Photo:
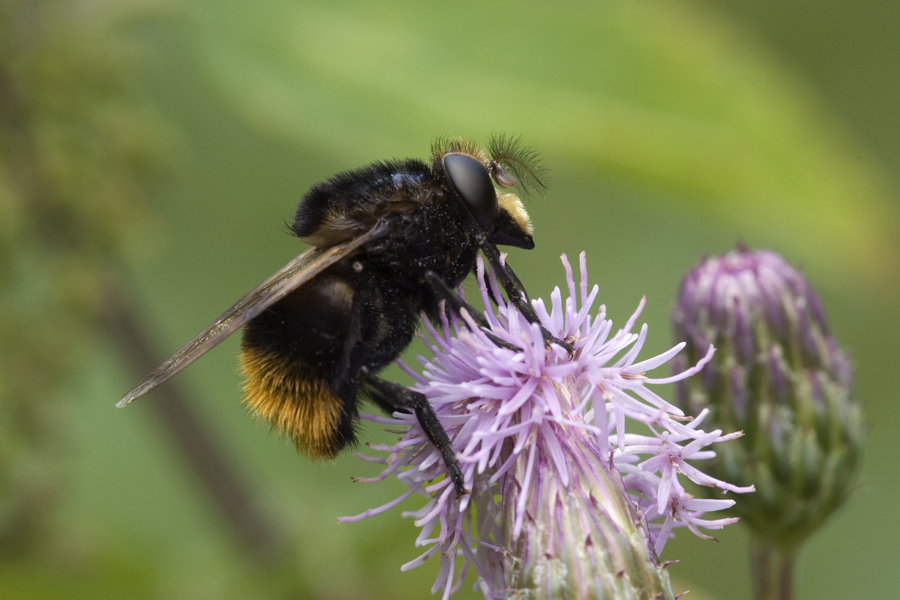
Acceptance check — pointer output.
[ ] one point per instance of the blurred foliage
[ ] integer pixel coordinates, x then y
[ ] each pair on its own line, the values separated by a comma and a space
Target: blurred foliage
76, 154
657, 93
842, 48
669, 133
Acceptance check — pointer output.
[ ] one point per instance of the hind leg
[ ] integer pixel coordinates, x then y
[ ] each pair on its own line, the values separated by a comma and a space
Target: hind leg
393, 397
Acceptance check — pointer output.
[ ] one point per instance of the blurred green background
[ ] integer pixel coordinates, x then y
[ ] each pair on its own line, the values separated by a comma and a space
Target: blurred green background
151, 150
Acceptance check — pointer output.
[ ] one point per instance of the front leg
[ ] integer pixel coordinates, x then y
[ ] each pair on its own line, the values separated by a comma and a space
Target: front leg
393, 397
516, 292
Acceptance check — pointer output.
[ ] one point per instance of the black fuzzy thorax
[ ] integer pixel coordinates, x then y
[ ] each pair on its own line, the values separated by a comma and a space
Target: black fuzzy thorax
361, 194
428, 227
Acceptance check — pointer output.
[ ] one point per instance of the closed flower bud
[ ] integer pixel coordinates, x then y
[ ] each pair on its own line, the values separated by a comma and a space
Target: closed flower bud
779, 376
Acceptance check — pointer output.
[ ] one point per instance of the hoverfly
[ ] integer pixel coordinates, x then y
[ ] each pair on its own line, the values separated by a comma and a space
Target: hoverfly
390, 241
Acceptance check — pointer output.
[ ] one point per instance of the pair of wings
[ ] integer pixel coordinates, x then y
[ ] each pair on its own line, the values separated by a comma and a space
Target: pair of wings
287, 279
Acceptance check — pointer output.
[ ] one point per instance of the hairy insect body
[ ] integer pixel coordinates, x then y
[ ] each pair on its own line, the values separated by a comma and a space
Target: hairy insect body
389, 241
304, 358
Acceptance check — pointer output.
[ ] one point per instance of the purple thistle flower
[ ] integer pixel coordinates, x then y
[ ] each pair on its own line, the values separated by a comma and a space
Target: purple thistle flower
562, 496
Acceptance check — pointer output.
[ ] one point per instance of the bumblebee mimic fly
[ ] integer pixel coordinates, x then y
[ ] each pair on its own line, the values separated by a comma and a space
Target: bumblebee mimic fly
389, 241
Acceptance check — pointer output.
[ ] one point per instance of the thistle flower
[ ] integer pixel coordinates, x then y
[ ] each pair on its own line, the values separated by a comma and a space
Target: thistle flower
780, 377
563, 499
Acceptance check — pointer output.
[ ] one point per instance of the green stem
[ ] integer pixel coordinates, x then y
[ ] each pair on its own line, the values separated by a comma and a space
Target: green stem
772, 570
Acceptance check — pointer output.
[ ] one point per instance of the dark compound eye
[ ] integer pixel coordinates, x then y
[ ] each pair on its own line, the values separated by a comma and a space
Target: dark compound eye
473, 184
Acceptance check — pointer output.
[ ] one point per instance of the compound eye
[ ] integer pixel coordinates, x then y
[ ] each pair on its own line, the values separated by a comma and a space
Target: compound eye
473, 184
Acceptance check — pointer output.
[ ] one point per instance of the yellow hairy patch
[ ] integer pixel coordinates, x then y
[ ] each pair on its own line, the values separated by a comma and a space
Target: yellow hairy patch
511, 204
302, 407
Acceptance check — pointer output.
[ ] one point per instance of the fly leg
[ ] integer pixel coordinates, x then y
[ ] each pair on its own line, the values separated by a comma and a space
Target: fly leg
456, 304
395, 397
516, 292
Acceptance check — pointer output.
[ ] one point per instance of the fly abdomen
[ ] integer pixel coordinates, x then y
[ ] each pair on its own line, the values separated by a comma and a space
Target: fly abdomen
292, 356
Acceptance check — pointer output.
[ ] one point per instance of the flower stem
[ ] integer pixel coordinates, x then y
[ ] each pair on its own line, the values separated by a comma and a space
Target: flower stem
772, 571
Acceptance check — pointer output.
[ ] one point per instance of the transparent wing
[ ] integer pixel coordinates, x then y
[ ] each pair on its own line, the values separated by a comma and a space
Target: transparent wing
287, 279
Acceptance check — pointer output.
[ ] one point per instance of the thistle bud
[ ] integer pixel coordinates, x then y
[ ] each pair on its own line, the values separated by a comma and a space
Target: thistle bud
779, 376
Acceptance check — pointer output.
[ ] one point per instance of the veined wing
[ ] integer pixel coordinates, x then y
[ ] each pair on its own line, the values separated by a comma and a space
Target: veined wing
287, 279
